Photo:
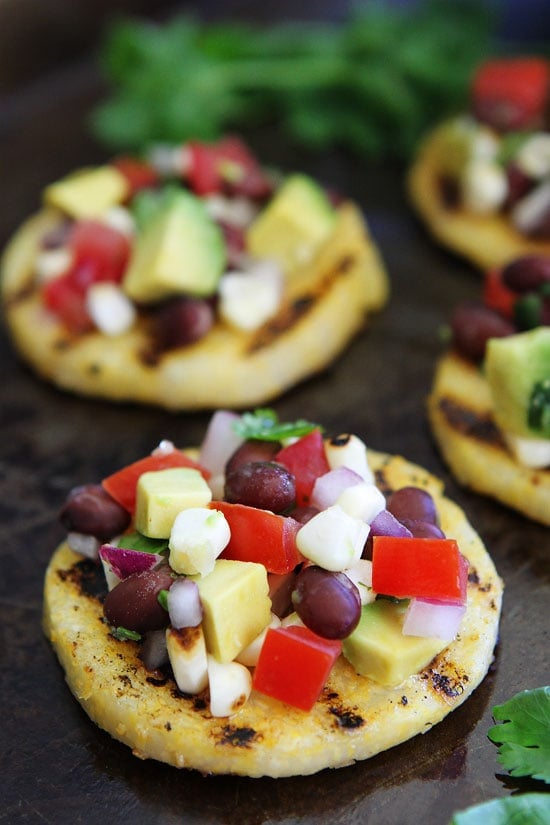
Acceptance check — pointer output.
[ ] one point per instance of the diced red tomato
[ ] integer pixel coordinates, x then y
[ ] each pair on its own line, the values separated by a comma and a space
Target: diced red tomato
512, 93
100, 253
497, 295
294, 665
260, 536
227, 165
425, 568
64, 298
306, 460
122, 484
138, 173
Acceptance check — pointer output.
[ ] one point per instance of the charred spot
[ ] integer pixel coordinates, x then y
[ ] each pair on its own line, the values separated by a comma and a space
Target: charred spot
469, 423
450, 686
125, 680
157, 677
346, 718
238, 737
168, 726
473, 577
20, 296
87, 576
449, 192
94, 369
291, 313
62, 344
404, 701
186, 637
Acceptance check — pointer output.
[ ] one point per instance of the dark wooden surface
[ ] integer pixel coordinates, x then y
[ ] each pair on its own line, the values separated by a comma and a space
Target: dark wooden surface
56, 766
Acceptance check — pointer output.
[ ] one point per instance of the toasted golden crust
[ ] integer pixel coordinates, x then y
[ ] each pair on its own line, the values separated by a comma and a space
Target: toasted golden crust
460, 413
327, 303
354, 718
486, 240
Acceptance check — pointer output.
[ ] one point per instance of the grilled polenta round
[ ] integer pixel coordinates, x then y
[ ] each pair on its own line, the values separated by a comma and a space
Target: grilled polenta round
353, 719
460, 413
326, 303
486, 240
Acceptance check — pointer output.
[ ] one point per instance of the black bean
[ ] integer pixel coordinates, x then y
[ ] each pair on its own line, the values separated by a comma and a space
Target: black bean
90, 509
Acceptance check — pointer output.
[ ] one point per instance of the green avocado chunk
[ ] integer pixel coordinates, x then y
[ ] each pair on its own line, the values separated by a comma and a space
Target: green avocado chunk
294, 224
179, 250
517, 369
378, 649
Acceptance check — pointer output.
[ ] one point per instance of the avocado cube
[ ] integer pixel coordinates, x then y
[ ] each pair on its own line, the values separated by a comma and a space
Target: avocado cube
293, 225
162, 494
236, 605
179, 251
517, 369
378, 649
88, 193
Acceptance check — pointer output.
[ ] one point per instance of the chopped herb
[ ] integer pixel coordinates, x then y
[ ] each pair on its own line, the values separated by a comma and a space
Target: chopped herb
538, 414
163, 598
264, 425
124, 635
524, 736
137, 541
324, 84
528, 311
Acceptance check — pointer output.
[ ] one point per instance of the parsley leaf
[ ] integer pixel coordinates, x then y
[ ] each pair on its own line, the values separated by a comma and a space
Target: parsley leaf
264, 425
527, 809
524, 736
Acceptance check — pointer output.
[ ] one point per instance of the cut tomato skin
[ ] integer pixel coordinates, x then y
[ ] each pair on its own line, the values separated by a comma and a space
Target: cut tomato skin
100, 253
68, 302
227, 165
497, 295
294, 665
260, 536
122, 485
510, 94
422, 568
138, 173
306, 460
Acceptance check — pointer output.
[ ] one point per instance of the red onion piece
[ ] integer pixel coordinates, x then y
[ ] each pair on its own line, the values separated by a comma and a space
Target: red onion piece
385, 524
184, 604
123, 561
329, 486
425, 617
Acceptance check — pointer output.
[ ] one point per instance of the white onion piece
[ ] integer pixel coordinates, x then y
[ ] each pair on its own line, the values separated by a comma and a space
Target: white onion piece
184, 604
433, 619
124, 561
230, 685
348, 450
153, 652
363, 501
220, 441
329, 486
84, 544
361, 575
332, 539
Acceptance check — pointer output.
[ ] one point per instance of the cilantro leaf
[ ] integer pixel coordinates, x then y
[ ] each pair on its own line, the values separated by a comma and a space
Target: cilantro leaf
137, 541
524, 736
124, 635
264, 425
527, 809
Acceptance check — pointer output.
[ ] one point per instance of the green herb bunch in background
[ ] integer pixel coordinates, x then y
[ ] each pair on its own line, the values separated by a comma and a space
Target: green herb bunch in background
372, 84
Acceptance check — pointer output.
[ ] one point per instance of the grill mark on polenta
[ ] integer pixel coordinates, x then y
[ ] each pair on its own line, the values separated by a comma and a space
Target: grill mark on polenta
85, 576
236, 737
450, 685
468, 422
291, 313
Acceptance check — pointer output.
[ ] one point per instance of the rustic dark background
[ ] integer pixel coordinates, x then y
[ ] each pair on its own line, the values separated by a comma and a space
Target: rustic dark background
55, 765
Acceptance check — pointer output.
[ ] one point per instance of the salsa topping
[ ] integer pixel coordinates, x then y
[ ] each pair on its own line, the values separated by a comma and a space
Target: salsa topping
238, 595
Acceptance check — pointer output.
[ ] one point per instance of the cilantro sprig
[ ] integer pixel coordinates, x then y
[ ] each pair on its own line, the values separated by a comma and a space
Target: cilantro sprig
372, 83
524, 740
524, 735
264, 425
